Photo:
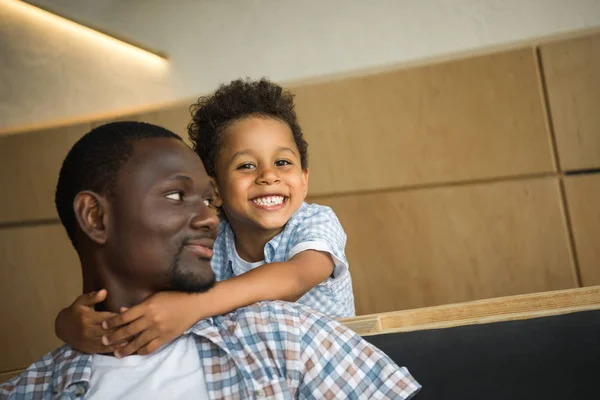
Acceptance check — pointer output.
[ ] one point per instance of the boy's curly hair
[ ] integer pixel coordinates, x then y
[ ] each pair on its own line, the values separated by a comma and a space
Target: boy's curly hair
242, 98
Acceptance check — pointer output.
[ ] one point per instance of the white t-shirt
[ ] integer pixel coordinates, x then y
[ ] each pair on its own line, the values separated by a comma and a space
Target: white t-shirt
172, 372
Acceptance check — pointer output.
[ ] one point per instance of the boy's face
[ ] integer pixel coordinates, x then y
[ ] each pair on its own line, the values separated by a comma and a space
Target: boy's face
259, 175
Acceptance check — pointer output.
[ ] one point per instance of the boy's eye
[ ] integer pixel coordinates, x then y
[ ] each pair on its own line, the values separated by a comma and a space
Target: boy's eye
177, 196
246, 166
281, 163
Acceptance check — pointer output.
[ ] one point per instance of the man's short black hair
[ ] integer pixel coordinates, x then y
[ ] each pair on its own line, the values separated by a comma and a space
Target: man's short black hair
93, 163
240, 99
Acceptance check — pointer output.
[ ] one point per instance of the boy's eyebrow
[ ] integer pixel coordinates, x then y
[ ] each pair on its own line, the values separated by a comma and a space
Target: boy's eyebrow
282, 148
248, 152
239, 153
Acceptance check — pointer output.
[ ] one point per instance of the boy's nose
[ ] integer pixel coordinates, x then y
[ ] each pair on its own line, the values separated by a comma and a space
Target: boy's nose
268, 177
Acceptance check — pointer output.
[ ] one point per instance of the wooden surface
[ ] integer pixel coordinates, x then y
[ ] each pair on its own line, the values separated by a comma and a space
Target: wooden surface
4, 376
175, 118
125, 117
40, 274
572, 74
30, 166
583, 199
476, 118
418, 248
478, 312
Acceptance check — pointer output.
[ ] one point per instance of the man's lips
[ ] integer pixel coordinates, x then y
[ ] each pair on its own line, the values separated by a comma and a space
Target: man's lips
201, 247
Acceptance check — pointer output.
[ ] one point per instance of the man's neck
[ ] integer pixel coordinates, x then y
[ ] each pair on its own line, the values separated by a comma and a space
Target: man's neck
97, 276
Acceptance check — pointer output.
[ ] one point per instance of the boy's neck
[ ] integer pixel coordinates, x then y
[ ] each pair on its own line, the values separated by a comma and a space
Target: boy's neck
250, 245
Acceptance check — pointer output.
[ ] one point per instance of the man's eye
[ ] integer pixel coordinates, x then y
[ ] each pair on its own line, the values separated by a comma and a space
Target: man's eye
209, 202
281, 163
246, 166
177, 196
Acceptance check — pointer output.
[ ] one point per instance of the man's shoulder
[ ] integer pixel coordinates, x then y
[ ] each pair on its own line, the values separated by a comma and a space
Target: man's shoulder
37, 378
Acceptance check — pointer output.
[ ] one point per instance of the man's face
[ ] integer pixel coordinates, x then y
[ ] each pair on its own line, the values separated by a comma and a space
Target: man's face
161, 229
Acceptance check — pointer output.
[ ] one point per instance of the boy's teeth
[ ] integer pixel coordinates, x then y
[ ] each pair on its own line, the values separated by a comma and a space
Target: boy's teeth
268, 200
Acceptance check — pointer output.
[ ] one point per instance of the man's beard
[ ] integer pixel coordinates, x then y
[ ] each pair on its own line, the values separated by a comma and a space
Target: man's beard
185, 281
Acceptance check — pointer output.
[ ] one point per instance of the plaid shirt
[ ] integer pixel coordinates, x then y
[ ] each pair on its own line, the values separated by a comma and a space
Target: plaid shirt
312, 227
273, 350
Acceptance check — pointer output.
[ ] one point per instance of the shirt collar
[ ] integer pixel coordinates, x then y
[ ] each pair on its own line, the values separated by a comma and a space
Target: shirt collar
71, 368
270, 247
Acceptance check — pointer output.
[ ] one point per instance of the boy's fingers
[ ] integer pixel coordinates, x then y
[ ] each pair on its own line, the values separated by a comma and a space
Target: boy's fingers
124, 318
97, 317
96, 331
150, 347
125, 332
111, 348
91, 299
146, 337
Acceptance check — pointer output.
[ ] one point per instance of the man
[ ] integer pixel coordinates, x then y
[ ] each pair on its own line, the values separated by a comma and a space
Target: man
137, 204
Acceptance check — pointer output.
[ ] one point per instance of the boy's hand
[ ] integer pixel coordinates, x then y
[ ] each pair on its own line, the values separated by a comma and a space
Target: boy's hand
154, 322
80, 326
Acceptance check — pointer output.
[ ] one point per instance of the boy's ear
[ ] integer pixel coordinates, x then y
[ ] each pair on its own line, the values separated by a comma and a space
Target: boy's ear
218, 200
305, 182
90, 211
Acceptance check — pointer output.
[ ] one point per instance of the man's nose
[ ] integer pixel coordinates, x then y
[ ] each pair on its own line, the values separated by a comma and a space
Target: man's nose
206, 218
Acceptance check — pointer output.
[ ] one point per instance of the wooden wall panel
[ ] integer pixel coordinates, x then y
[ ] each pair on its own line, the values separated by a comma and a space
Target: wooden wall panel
572, 74
124, 117
39, 275
30, 166
583, 199
175, 118
462, 120
4, 376
425, 247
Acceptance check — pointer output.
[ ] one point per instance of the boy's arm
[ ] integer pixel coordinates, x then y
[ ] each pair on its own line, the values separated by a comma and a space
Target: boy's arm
167, 315
287, 281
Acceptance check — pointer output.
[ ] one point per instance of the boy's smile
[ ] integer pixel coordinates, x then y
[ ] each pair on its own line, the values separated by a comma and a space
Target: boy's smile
259, 176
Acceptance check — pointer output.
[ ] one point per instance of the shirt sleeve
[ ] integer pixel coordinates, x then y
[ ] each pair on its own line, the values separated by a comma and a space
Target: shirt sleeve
220, 262
338, 363
322, 231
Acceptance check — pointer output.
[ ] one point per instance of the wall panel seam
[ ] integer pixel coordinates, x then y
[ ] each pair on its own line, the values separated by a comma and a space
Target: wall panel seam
562, 190
435, 185
29, 223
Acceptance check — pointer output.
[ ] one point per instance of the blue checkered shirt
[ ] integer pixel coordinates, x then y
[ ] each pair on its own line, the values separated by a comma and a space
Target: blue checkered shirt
311, 227
273, 350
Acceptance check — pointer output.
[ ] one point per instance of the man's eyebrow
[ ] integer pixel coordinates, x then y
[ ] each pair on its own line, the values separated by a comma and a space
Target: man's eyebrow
181, 177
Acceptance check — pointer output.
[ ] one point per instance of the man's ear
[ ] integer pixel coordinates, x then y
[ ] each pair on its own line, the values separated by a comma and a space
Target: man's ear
90, 211
218, 200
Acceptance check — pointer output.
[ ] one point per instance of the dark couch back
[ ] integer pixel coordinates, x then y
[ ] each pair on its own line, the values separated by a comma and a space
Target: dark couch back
556, 357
